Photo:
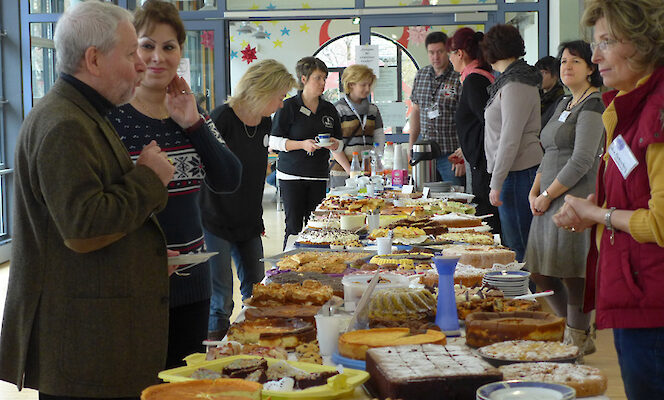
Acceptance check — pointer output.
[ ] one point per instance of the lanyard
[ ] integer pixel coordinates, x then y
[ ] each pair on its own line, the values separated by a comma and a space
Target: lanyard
363, 119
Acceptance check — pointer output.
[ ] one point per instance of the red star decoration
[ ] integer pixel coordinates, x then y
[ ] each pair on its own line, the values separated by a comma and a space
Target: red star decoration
249, 54
207, 39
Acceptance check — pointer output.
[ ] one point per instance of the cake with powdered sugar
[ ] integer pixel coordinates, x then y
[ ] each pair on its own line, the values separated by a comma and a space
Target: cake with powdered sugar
428, 371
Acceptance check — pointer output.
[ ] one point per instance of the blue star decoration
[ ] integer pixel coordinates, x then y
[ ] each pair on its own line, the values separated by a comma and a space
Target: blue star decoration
268, 34
271, 6
285, 32
233, 54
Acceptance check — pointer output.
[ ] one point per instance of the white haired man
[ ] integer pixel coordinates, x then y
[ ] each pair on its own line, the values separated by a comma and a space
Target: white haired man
86, 314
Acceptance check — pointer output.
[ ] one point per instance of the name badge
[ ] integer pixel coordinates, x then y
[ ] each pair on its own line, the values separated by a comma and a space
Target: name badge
622, 155
433, 113
563, 116
304, 110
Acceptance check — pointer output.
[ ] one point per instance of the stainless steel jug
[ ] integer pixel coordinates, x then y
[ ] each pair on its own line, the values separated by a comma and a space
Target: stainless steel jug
423, 161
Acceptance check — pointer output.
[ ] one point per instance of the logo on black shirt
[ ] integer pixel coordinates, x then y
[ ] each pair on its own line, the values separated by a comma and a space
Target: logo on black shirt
328, 121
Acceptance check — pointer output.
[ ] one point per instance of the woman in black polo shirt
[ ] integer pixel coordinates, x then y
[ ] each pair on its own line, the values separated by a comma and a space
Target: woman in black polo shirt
303, 165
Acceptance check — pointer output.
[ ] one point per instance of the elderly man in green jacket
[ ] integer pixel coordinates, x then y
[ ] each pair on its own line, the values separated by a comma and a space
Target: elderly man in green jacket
86, 314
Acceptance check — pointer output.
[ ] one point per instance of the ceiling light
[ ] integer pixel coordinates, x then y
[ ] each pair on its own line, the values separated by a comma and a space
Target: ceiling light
245, 28
260, 33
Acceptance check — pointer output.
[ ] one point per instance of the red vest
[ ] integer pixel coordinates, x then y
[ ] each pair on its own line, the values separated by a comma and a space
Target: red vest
625, 282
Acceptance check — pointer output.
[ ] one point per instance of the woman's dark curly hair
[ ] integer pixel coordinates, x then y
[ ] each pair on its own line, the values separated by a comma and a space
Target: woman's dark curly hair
581, 49
503, 41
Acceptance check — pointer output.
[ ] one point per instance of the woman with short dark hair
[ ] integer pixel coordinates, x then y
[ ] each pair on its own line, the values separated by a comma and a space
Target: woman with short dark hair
303, 164
512, 125
572, 141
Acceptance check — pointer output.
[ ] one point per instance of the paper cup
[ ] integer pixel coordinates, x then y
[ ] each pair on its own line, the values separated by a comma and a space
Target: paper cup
373, 221
327, 333
351, 222
384, 245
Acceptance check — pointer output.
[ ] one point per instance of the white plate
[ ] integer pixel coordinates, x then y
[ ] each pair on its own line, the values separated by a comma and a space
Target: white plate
522, 390
191, 258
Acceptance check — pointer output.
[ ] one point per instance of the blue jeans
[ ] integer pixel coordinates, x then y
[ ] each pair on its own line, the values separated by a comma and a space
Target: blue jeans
249, 270
641, 359
515, 215
444, 167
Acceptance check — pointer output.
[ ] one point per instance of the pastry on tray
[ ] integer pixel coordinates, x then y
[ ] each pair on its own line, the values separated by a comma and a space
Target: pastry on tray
586, 380
287, 333
288, 311
529, 350
355, 344
201, 389
428, 372
484, 328
309, 292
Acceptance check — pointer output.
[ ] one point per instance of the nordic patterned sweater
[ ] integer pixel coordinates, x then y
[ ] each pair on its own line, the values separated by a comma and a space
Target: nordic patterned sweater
199, 157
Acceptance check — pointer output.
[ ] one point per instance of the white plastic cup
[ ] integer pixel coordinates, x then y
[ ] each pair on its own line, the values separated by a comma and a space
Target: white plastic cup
373, 221
327, 333
384, 245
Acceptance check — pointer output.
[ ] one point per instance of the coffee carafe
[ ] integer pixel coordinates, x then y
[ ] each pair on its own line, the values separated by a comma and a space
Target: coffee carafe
423, 161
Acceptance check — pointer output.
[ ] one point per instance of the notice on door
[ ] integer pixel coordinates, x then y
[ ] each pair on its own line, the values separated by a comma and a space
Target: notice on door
368, 55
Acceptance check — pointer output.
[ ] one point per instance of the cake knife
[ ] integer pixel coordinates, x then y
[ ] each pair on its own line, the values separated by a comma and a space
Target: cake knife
363, 301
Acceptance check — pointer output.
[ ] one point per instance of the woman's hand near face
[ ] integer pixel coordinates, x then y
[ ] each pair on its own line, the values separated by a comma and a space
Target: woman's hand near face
181, 103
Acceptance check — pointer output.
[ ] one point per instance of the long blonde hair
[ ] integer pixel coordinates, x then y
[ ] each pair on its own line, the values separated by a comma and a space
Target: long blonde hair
639, 21
259, 83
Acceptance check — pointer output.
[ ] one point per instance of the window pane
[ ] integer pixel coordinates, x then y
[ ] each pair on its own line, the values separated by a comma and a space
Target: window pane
419, 3
199, 55
185, 5
287, 42
3, 223
526, 22
42, 59
235, 5
54, 6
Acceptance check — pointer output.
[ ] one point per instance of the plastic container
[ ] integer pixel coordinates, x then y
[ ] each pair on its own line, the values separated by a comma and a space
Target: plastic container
337, 386
355, 166
356, 284
388, 158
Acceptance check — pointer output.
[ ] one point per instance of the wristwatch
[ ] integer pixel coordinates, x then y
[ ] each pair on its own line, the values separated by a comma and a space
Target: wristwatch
546, 194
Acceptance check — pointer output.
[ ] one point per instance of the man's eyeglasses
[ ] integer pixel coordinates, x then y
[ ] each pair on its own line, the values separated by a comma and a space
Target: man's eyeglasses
603, 45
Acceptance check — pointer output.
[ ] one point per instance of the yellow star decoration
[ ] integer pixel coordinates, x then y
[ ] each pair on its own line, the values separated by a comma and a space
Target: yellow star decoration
306, 5
402, 4
257, 23
274, 22
232, 38
304, 28
277, 43
244, 44
254, 7
456, 1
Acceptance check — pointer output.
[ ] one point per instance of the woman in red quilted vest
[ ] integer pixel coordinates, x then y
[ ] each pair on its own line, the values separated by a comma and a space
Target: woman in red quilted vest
625, 270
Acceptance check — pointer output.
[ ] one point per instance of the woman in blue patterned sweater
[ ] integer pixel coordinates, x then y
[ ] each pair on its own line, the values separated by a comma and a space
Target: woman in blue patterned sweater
164, 110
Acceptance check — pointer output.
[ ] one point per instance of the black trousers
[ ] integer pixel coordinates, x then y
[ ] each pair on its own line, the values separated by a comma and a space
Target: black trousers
43, 396
480, 183
300, 198
187, 328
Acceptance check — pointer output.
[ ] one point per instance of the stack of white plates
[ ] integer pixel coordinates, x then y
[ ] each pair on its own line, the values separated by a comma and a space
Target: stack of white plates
512, 283
437, 187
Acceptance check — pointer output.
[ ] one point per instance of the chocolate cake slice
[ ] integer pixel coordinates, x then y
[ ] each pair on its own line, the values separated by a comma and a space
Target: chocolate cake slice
243, 367
428, 372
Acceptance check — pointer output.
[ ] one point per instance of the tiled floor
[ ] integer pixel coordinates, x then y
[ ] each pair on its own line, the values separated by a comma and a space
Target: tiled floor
605, 358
